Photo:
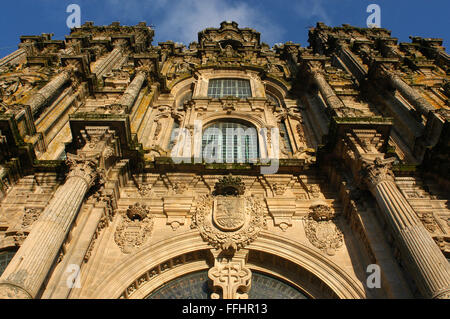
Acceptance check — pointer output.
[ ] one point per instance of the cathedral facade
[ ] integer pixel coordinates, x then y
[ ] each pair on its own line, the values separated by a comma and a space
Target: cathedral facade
225, 169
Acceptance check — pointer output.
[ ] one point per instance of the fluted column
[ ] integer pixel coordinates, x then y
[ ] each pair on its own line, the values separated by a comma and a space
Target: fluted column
13, 57
326, 90
49, 90
106, 65
419, 102
132, 91
423, 259
30, 266
352, 62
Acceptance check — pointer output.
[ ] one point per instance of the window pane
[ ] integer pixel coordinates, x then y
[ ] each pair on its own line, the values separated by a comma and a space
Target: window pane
229, 87
238, 143
285, 137
5, 258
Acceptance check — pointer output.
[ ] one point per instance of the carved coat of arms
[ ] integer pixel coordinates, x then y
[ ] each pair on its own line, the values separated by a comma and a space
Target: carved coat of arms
229, 222
322, 231
134, 229
229, 213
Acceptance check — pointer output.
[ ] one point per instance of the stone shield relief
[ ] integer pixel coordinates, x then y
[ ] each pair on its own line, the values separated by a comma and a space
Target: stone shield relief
229, 222
134, 229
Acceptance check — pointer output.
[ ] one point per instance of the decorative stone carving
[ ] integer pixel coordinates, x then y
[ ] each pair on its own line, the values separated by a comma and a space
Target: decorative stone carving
134, 229
314, 191
229, 105
145, 190
228, 213
85, 169
279, 189
30, 216
179, 188
321, 230
378, 171
229, 222
429, 221
233, 278
12, 292
282, 210
229, 185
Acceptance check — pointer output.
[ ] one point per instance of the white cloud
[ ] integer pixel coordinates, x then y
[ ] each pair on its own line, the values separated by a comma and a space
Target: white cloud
309, 9
181, 20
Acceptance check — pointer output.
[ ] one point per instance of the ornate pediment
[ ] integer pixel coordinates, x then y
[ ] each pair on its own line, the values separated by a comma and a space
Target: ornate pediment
229, 34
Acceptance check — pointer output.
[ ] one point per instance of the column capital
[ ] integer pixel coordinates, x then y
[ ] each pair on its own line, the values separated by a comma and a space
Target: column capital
377, 171
85, 169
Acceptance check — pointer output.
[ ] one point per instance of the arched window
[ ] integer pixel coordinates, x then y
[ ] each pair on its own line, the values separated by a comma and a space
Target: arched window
230, 142
229, 87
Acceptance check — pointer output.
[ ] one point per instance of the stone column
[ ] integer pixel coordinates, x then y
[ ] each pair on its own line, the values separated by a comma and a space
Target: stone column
422, 257
17, 55
419, 102
49, 90
326, 90
30, 266
353, 64
107, 64
132, 91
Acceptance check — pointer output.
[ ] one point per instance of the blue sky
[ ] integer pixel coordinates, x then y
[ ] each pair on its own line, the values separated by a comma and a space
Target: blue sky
180, 20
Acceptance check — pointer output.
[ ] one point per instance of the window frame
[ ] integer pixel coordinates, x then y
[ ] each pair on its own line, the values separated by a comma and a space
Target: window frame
249, 153
229, 87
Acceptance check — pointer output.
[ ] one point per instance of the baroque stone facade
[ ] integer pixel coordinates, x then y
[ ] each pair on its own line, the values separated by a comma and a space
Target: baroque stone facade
120, 178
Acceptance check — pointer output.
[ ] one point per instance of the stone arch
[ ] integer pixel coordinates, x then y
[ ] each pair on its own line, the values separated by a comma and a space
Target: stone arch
276, 88
131, 279
179, 89
256, 121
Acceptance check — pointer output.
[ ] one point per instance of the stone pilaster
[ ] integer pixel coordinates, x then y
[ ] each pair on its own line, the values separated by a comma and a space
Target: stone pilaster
422, 257
30, 266
352, 62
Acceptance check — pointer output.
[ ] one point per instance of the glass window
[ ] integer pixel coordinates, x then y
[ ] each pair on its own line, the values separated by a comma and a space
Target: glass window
230, 142
285, 137
229, 87
5, 258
